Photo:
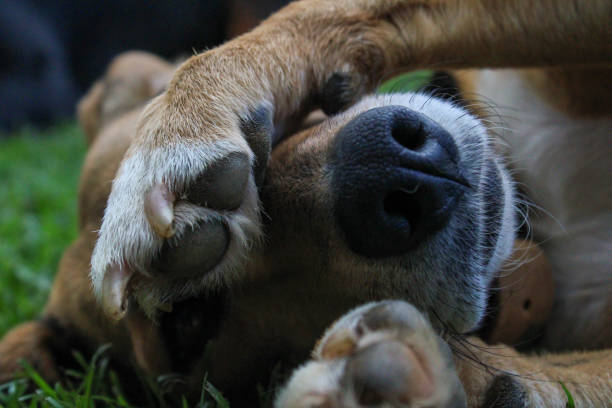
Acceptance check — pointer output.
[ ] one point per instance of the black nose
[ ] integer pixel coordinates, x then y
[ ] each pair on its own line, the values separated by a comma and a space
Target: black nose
396, 180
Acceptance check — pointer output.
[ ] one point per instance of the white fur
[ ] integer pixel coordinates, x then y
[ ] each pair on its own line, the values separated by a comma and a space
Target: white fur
312, 384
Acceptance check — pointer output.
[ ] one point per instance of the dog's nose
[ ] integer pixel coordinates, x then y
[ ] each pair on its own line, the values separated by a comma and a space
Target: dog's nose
396, 180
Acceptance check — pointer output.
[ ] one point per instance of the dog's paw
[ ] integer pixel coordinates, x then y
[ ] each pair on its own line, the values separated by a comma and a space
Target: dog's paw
380, 354
183, 209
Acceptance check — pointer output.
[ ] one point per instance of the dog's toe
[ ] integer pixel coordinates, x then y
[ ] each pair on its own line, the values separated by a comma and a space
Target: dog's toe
222, 186
196, 252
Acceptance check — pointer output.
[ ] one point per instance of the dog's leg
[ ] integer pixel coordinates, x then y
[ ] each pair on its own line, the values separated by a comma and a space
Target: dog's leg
223, 108
72, 320
30, 342
386, 354
496, 374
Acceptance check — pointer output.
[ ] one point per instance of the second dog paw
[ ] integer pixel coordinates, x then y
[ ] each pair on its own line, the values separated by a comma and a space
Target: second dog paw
380, 354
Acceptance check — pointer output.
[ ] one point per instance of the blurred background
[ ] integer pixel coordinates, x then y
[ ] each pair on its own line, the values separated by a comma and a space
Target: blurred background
51, 51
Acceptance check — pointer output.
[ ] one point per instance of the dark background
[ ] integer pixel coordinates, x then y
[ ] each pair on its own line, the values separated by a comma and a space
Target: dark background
52, 50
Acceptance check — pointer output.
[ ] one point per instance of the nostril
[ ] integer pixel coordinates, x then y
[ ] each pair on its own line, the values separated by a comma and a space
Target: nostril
408, 134
403, 204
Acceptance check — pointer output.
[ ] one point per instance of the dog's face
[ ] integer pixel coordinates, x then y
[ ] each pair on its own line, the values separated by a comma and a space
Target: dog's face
401, 196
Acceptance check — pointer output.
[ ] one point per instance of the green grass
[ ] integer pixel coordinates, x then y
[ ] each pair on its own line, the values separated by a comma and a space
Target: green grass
39, 172
570, 399
95, 385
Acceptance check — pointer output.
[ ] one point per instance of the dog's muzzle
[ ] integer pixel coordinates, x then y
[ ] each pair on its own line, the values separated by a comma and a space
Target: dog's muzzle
396, 180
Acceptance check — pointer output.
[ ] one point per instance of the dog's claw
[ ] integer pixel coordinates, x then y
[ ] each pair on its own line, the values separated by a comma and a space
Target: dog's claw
159, 208
115, 291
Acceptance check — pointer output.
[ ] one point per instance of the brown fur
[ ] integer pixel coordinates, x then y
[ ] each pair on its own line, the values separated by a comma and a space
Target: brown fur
288, 60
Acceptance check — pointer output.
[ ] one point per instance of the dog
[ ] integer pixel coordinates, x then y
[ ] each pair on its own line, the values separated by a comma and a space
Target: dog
217, 121
108, 116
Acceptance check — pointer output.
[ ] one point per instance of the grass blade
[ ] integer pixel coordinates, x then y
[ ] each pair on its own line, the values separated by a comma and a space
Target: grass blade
570, 399
38, 380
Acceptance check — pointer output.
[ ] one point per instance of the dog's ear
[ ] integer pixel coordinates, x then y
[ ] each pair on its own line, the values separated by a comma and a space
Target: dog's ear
89, 111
